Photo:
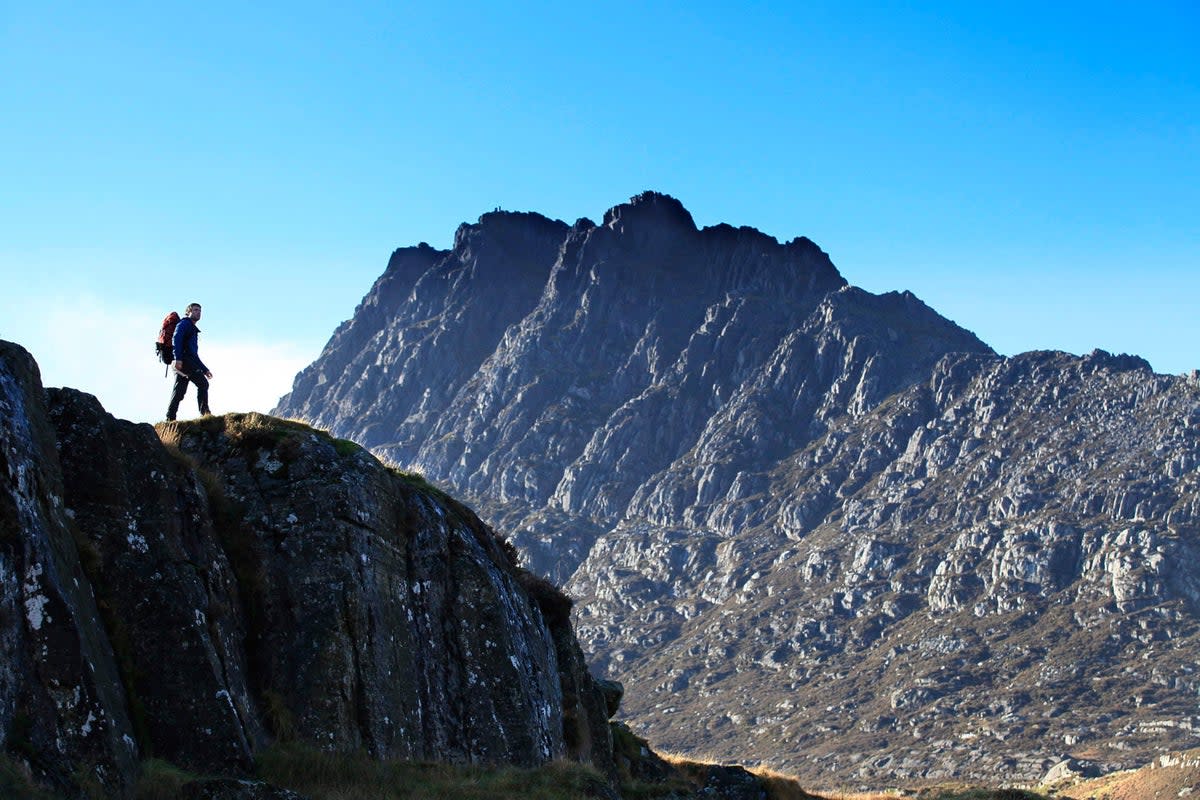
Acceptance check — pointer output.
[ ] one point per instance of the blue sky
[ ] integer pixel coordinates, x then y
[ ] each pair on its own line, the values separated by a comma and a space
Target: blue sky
1030, 170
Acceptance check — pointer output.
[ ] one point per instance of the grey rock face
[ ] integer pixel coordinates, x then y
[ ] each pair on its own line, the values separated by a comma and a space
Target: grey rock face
384, 617
990, 571
424, 329
163, 577
254, 581
803, 523
61, 700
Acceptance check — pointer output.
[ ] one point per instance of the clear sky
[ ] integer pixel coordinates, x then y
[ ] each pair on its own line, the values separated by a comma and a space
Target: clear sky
1030, 170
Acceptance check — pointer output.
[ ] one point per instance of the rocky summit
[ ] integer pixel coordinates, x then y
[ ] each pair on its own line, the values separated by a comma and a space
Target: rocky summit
200, 592
809, 526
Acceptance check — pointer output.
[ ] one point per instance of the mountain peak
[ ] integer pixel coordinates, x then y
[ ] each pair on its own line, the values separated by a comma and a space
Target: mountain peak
506, 225
653, 208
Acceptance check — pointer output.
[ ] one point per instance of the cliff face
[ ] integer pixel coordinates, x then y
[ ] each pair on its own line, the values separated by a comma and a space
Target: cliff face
255, 581
61, 700
806, 523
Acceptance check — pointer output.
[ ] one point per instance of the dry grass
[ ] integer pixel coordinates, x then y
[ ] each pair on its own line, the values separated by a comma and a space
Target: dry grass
781, 786
348, 776
251, 429
161, 780
778, 785
1180, 779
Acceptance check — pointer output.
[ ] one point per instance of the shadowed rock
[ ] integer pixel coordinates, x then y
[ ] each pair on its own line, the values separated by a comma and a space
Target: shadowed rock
62, 706
256, 581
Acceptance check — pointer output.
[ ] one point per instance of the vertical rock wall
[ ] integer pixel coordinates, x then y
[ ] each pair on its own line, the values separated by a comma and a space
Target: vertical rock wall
165, 585
62, 707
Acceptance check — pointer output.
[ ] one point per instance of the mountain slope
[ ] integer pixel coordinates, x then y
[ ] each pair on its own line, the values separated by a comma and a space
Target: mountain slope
806, 522
992, 570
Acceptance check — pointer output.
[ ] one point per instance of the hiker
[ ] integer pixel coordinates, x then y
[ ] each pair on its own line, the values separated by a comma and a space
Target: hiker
187, 364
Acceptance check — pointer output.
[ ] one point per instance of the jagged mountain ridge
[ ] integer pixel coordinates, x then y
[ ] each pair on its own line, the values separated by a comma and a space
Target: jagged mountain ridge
773, 493
652, 361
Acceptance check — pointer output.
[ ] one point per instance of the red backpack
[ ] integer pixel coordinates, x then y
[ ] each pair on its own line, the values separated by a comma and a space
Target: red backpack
164, 345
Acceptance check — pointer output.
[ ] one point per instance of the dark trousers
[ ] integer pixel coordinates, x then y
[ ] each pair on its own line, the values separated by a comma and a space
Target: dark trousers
180, 389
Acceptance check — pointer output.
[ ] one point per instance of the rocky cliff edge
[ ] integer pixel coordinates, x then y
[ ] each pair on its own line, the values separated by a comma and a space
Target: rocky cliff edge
197, 592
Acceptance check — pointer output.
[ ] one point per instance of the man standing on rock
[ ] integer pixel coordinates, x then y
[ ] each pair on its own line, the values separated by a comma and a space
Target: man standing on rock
188, 366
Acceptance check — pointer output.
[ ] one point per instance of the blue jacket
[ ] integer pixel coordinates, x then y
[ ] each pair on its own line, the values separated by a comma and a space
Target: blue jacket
186, 346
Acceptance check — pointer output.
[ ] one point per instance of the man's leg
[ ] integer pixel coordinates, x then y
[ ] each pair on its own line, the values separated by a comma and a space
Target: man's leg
177, 393
201, 392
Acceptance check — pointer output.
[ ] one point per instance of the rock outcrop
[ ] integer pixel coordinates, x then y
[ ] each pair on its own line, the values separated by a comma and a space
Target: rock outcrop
806, 524
251, 581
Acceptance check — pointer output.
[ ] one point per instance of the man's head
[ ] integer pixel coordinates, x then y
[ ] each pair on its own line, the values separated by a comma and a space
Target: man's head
192, 312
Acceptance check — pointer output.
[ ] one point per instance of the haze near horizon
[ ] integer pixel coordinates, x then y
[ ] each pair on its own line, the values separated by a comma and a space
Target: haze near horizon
1029, 172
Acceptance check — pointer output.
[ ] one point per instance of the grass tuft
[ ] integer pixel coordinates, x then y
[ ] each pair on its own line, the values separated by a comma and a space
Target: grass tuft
161, 780
254, 431
553, 602
780, 786
280, 718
